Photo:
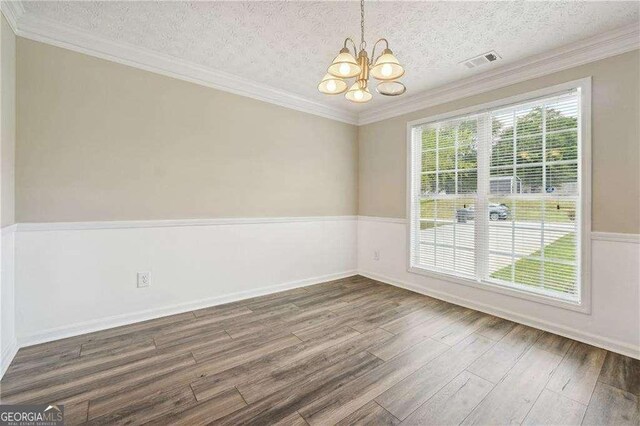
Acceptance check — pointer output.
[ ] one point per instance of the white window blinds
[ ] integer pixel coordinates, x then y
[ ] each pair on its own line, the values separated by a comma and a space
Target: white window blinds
494, 196
448, 183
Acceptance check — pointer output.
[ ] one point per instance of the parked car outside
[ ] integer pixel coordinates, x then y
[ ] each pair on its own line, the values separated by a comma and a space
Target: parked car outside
496, 212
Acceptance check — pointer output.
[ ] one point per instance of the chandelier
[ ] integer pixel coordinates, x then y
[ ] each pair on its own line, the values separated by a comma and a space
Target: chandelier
384, 68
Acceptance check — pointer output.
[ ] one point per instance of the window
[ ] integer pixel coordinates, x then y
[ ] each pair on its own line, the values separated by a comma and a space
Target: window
495, 195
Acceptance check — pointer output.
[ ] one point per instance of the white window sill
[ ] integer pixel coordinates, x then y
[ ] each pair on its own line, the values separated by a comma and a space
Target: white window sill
581, 306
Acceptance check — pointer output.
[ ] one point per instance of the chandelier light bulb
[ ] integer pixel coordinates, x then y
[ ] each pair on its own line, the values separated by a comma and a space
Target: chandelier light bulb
386, 70
344, 65
359, 93
387, 67
331, 85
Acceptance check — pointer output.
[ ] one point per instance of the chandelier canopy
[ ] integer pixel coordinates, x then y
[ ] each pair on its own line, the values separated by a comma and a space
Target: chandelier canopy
384, 68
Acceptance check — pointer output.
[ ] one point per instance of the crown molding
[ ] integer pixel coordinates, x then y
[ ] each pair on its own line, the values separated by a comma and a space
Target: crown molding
54, 33
12, 10
592, 49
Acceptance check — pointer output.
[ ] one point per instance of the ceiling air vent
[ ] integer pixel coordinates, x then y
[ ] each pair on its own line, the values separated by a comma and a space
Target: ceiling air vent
485, 58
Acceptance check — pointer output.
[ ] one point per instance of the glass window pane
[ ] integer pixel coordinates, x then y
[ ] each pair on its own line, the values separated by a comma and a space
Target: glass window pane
500, 267
428, 139
562, 146
528, 180
529, 121
428, 184
444, 234
528, 211
467, 182
426, 255
529, 150
501, 181
560, 213
444, 258
465, 235
562, 114
502, 151
446, 159
429, 161
465, 211
427, 231
562, 178
527, 240
445, 210
464, 238
500, 226
467, 157
447, 136
560, 277
560, 245
447, 183
502, 124
528, 272
467, 133
465, 262
428, 209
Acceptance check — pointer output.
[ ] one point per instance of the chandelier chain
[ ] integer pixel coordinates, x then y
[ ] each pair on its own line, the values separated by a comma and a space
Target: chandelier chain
362, 42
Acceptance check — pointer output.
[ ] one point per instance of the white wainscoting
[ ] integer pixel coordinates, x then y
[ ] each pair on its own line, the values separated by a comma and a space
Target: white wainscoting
8, 343
81, 277
78, 278
614, 322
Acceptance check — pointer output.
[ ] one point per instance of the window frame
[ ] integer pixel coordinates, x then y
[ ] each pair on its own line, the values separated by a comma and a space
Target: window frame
583, 86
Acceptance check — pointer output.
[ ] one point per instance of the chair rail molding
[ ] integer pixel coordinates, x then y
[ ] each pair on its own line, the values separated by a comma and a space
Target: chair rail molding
172, 223
616, 237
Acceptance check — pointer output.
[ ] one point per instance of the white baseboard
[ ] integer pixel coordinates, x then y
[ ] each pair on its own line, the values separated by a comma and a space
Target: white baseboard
120, 320
571, 333
7, 356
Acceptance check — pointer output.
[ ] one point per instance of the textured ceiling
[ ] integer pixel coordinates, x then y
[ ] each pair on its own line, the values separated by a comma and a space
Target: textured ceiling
288, 45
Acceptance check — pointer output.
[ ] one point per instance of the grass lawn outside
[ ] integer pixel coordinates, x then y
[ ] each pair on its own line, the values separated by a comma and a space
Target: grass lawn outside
524, 210
557, 276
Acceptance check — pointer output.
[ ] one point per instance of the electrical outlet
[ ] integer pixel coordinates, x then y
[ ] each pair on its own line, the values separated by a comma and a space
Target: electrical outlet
144, 279
376, 255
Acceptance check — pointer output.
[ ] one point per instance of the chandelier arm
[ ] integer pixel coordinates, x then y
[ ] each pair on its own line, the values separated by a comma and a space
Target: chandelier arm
373, 52
355, 49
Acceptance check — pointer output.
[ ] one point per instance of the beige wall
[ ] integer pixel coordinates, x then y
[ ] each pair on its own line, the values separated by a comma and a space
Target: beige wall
7, 122
615, 145
102, 141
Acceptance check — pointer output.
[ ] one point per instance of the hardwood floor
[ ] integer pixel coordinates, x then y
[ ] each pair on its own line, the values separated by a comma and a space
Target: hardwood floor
352, 351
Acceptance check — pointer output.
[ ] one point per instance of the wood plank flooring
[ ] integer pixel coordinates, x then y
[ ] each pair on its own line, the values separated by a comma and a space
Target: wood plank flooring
351, 351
